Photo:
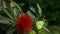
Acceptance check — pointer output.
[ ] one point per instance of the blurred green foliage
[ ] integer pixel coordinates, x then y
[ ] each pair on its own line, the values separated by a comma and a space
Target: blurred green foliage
50, 9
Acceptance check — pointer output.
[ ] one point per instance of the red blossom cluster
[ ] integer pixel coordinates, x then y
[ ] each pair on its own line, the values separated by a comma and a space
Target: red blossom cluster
23, 23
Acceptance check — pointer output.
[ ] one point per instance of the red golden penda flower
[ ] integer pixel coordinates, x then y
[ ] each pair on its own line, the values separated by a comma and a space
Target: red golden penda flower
23, 23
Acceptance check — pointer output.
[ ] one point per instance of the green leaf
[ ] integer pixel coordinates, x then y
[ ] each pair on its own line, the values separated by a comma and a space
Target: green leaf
17, 6
11, 31
8, 13
4, 4
10, 28
21, 5
16, 12
39, 9
32, 16
33, 9
12, 4
0, 7
4, 8
45, 28
39, 24
4, 20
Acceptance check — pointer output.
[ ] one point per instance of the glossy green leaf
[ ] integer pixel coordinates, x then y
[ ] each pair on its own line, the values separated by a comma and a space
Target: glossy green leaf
39, 24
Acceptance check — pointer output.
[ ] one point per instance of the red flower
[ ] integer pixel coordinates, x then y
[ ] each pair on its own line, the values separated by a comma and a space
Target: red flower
23, 23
